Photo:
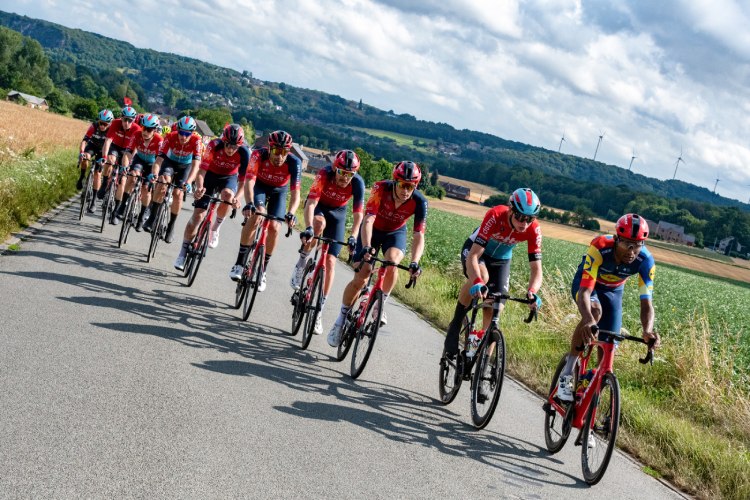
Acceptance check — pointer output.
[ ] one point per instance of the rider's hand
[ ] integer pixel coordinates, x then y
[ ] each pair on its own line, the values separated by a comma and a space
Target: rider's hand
648, 336
351, 243
306, 234
248, 210
587, 334
150, 177
291, 219
414, 269
478, 289
82, 156
235, 203
101, 161
537, 304
365, 254
199, 191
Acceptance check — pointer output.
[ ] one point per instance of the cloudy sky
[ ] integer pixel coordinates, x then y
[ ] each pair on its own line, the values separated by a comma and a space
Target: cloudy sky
654, 78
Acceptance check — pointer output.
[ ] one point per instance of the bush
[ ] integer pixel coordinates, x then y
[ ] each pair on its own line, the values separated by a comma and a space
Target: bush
435, 191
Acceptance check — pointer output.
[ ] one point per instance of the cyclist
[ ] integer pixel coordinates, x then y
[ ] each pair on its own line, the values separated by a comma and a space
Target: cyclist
91, 149
272, 171
486, 257
224, 160
120, 135
390, 205
598, 285
178, 159
325, 213
143, 150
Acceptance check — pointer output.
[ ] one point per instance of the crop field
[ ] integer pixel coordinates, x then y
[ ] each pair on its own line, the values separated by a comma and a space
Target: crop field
401, 139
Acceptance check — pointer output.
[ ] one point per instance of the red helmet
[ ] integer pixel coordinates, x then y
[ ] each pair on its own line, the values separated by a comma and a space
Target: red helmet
346, 159
233, 135
632, 227
280, 139
407, 171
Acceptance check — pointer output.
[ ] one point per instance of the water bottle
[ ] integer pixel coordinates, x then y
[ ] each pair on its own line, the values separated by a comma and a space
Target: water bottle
584, 382
475, 337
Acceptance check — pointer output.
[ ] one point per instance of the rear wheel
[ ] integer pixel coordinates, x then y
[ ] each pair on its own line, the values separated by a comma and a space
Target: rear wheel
487, 382
200, 253
127, 221
239, 293
602, 422
452, 370
155, 233
299, 303
347, 335
556, 425
109, 201
313, 309
86, 194
254, 275
365, 337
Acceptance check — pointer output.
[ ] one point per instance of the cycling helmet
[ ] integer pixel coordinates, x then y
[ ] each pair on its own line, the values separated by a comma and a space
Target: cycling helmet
346, 159
106, 116
525, 202
407, 171
150, 121
233, 135
280, 139
186, 124
128, 112
632, 227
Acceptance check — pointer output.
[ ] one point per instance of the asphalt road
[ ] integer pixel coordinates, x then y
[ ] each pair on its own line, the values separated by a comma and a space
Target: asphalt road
117, 380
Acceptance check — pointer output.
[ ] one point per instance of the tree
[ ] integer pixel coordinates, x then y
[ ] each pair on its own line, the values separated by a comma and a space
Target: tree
215, 118
85, 109
59, 101
434, 177
23, 65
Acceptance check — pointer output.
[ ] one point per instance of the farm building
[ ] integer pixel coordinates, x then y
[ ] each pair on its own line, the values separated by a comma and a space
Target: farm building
29, 100
456, 191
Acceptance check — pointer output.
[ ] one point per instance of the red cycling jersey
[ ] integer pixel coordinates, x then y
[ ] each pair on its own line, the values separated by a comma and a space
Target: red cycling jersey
388, 218
497, 236
121, 137
172, 148
261, 168
216, 160
331, 195
146, 151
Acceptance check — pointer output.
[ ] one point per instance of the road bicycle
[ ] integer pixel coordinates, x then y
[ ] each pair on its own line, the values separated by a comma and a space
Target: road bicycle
362, 322
252, 273
130, 212
108, 203
485, 367
595, 410
161, 218
198, 246
307, 299
87, 194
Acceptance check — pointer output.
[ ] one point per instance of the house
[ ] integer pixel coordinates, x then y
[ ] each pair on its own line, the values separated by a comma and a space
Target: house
670, 232
30, 100
456, 191
204, 130
729, 244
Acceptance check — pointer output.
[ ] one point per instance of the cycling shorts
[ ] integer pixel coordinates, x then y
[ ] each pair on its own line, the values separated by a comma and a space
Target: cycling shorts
498, 270
117, 152
178, 171
382, 240
610, 300
140, 165
271, 197
214, 183
335, 218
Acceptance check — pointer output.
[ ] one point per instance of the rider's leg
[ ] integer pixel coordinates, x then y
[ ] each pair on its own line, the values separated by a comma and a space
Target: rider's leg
191, 229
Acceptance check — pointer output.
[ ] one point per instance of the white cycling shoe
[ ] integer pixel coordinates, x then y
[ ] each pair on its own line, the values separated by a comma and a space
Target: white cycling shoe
236, 272
262, 284
334, 336
565, 389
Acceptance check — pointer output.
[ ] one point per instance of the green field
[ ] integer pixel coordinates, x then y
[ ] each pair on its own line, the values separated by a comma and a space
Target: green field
698, 252
401, 139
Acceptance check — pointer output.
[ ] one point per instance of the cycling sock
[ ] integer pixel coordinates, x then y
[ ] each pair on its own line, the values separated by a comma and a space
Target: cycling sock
302, 259
105, 180
143, 211
217, 223
268, 259
242, 255
323, 301
569, 364
451, 338
184, 248
125, 198
172, 218
342, 315
83, 174
385, 298
117, 205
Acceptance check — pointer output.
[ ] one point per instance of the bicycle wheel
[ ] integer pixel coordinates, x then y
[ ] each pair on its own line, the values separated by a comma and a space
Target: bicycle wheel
198, 257
365, 337
556, 425
602, 421
452, 371
347, 335
313, 310
487, 381
254, 276
155, 230
239, 293
86, 194
109, 200
126, 222
298, 300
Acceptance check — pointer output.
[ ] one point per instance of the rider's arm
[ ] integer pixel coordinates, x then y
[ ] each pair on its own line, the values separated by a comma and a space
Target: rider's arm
417, 246
583, 301
472, 262
194, 170
309, 211
199, 179
356, 223
105, 147
249, 190
293, 201
366, 233
84, 143
647, 316
535, 276
157, 165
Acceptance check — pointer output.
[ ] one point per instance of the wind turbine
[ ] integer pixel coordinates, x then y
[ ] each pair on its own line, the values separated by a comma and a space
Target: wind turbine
601, 136
561, 141
677, 164
716, 184
631, 160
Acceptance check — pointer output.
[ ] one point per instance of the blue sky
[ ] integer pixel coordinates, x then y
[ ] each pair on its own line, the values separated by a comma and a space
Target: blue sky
653, 77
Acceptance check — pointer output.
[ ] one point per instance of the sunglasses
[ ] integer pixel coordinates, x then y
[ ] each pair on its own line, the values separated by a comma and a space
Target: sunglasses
149, 129
407, 186
279, 151
127, 120
104, 124
631, 244
526, 219
185, 133
344, 173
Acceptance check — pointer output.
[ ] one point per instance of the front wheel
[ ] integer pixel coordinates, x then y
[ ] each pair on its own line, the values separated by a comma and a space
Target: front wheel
86, 194
254, 276
487, 382
200, 252
127, 221
109, 201
299, 301
600, 430
155, 230
365, 337
556, 425
313, 310
452, 370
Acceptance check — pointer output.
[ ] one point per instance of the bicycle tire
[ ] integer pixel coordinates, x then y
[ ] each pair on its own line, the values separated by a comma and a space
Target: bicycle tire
347, 336
155, 228
369, 330
86, 194
198, 257
109, 197
553, 438
255, 275
451, 373
299, 303
313, 310
125, 224
602, 418
494, 363
239, 293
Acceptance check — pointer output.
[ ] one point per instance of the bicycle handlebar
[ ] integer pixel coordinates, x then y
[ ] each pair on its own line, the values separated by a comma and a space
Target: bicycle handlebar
498, 296
618, 336
215, 199
273, 218
388, 263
